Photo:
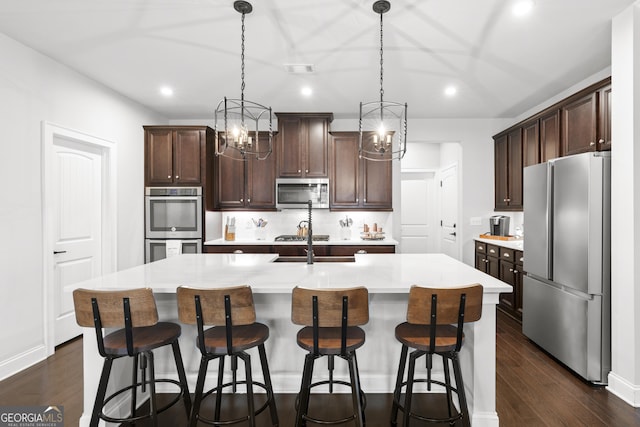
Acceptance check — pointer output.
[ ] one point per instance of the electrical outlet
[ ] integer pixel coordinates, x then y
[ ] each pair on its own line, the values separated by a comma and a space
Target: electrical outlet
475, 220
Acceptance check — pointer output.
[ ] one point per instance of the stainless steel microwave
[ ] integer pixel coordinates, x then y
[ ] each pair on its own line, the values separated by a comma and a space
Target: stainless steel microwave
294, 193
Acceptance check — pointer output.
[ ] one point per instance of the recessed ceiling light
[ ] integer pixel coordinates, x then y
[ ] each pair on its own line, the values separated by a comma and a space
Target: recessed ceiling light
522, 7
166, 91
299, 68
306, 91
450, 90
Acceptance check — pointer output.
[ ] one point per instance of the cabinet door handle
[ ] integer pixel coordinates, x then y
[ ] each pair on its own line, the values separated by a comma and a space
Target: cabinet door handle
306, 171
511, 270
592, 143
299, 171
177, 176
168, 176
515, 271
357, 200
365, 200
249, 200
601, 141
242, 200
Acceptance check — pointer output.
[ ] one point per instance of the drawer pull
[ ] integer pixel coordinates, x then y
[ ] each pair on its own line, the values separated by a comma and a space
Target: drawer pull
493, 251
506, 255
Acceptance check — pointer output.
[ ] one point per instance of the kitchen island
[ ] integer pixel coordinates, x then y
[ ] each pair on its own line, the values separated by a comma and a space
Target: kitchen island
388, 278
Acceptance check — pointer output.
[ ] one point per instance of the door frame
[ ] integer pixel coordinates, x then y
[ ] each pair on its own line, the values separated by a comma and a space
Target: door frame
108, 152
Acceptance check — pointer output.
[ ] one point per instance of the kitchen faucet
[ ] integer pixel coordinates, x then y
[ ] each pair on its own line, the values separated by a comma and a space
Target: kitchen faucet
310, 236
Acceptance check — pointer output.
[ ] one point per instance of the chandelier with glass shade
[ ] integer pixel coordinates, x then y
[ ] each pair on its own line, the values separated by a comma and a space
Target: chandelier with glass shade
383, 124
238, 122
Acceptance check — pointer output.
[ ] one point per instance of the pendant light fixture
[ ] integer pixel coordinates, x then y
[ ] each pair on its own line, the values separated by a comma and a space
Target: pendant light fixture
383, 124
237, 121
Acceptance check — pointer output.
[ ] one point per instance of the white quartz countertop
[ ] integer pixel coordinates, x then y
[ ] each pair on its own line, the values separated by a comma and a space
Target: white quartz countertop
269, 242
380, 273
511, 244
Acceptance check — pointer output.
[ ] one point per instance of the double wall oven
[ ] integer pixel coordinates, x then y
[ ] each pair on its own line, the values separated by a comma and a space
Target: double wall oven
173, 221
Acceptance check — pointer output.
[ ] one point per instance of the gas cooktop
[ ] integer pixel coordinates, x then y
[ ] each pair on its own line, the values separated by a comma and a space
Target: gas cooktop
296, 238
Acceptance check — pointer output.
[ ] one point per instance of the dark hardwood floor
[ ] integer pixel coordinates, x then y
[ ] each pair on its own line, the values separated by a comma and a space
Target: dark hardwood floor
532, 390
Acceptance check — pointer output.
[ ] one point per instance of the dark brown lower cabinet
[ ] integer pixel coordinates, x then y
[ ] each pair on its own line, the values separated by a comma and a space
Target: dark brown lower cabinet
300, 250
504, 264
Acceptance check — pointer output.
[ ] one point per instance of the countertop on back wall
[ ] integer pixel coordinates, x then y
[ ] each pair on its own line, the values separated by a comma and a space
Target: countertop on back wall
331, 241
511, 244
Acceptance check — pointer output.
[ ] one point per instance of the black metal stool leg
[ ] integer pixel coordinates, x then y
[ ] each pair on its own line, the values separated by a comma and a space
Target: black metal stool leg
362, 398
355, 390
216, 415
249, 380
305, 389
464, 410
182, 376
267, 382
397, 390
447, 381
134, 380
409, 392
152, 389
197, 400
102, 391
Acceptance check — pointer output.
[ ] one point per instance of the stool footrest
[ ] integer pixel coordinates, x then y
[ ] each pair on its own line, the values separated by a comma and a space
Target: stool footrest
141, 417
235, 420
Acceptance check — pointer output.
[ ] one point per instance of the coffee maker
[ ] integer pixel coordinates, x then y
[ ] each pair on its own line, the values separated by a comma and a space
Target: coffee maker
499, 225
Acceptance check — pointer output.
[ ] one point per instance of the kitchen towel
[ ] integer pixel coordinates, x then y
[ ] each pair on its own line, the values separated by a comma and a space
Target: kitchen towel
174, 247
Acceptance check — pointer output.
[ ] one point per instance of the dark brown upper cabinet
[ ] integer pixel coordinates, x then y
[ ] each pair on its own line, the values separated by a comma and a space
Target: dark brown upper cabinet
508, 171
550, 135
357, 183
530, 143
244, 184
302, 145
174, 155
586, 120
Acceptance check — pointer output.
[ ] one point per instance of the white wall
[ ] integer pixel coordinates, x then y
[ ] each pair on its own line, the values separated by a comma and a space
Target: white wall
34, 88
624, 379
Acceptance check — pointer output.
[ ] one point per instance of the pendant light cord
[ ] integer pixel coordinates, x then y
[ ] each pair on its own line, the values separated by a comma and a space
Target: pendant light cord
242, 71
381, 61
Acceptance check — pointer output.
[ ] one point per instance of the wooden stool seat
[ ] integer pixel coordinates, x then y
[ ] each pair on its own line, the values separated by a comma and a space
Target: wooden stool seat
135, 313
330, 339
417, 336
244, 338
144, 338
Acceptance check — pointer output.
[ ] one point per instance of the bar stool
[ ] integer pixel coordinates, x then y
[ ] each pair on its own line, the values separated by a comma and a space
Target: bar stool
232, 313
429, 329
331, 320
134, 312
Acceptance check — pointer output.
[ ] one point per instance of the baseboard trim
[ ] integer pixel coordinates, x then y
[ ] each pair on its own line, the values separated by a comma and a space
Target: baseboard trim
626, 391
22, 361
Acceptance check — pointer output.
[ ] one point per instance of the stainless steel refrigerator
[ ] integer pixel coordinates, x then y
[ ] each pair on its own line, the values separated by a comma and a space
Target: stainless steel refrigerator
567, 257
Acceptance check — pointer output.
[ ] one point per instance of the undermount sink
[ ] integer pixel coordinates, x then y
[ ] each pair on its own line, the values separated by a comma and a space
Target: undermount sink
315, 259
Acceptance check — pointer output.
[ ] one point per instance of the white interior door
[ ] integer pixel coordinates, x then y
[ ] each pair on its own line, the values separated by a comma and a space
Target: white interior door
417, 214
77, 221
449, 226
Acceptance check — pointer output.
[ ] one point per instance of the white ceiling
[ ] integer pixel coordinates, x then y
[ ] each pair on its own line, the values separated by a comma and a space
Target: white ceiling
502, 65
